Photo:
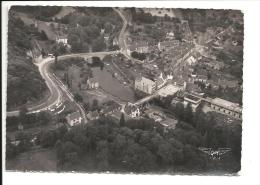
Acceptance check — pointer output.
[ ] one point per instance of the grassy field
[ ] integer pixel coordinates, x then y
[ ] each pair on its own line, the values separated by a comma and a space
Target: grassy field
34, 160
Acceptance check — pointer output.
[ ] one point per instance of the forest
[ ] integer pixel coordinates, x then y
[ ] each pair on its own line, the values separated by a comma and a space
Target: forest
22, 73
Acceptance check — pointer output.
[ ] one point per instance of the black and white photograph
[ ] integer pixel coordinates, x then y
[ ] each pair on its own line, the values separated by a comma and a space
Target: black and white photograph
124, 90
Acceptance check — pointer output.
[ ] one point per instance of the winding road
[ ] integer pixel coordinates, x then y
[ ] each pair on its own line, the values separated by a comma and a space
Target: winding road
56, 87
53, 84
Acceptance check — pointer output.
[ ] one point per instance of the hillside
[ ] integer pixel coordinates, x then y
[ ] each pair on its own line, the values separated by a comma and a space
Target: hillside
22, 73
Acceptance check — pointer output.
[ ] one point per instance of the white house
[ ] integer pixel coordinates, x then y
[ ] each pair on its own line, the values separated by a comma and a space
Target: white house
62, 39
92, 83
132, 110
145, 85
74, 118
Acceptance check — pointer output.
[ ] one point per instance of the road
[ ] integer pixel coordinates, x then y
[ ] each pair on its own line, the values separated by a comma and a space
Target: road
121, 39
52, 84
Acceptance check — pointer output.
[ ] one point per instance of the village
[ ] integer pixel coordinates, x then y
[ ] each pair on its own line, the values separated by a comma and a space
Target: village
134, 65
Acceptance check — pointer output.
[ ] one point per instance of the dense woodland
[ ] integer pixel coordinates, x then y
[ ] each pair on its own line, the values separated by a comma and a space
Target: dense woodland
85, 28
24, 83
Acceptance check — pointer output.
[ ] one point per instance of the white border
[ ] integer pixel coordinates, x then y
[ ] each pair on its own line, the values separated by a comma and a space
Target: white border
251, 146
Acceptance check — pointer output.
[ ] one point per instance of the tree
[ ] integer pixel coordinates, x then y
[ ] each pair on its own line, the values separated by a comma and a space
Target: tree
48, 139
122, 120
23, 114
43, 35
179, 110
56, 54
78, 97
188, 114
95, 105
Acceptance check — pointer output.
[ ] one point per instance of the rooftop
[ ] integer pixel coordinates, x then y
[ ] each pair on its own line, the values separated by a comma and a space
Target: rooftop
145, 80
227, 104
168, 90
194, 98
74, 115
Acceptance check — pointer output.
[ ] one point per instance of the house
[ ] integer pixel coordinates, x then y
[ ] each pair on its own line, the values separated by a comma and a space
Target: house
157, 116
201, 78
165, 45
226, 107
92, 115
102, 31
215, 64
193, 100
74, 118
170, 35
115, 41
138, 46
132, 110
145, 85
62, 39
168, 90
106, 37
92, 83
191, 60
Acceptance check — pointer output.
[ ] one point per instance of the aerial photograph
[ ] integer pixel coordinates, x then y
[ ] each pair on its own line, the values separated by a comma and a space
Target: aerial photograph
124, 90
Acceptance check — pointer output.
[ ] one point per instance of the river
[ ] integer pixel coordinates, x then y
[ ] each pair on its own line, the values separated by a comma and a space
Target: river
112, 86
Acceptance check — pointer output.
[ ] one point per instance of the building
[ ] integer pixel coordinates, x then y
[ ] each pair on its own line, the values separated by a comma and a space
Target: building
157, 116
92, 83
92, 115
201, 78
115, 41
145, 85
170, 35
193, 100
165, 45
226, 107
74, 118
62, 39
160, 81
138, 46
106, 37
168, 90
132, 110
191, 60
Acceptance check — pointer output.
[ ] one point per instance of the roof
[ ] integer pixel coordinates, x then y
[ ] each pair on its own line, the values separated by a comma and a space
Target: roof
92, 80
92, 114
191, 60
168, 90
138, 44
159, 81
194, 98
74, 115
226, 104
145, 80
129, 108
169, 43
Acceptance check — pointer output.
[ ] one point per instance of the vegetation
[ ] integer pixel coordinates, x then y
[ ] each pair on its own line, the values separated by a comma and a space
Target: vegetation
85, 28
28, 121
142, 17
21, 71
43, 13
139, 56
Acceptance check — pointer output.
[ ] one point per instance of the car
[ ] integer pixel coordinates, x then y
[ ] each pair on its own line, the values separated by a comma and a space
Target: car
51, 109
51, 55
